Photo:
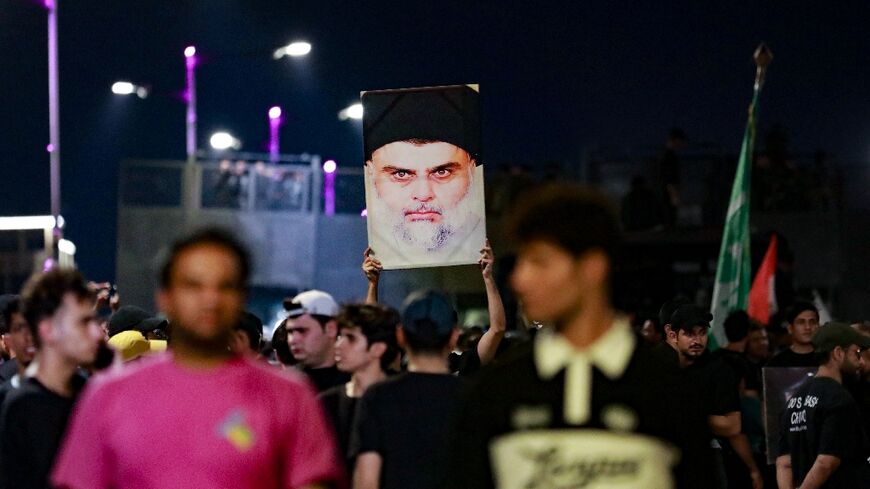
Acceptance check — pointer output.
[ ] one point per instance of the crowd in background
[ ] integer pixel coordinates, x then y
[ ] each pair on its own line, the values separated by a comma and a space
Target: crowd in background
366, 395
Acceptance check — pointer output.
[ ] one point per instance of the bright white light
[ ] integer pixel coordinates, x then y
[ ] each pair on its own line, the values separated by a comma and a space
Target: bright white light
20, 223
354, 111
298, 48
189, 52
66, 246
223, 140
275, 112
329, 166
295, 49
123, 88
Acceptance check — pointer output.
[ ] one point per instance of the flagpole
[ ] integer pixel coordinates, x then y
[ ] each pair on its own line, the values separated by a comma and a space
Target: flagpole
733, 271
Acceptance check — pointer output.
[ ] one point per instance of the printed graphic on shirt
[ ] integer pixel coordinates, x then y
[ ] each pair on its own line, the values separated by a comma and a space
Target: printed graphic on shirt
797, 408
581, 459
236, 431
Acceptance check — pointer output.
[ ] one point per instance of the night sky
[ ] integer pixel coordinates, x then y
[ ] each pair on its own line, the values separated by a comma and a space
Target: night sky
555, 79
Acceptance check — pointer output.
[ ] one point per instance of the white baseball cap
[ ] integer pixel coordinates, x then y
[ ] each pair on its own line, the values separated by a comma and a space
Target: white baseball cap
311, 302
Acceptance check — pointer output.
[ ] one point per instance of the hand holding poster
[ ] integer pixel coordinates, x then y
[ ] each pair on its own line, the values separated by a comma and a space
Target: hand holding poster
423, 176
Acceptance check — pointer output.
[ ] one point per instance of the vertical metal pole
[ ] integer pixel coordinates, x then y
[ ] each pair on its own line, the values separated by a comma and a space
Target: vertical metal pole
190, 179
190, 63
274, 141
53, 118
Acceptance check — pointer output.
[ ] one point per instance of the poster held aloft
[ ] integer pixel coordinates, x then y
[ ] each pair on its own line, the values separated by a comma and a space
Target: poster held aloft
424, 176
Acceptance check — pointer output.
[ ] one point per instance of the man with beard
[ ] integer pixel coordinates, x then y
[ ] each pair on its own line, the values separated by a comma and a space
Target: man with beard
424, 186
821, 443
222, 419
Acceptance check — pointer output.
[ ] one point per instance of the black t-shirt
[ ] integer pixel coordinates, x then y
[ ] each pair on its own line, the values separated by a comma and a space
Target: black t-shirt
9, 386
340, 411
405, 419
712, 384
465, 363
511, 430
788, 358
32, 422
822, 418
327, 377
8, 369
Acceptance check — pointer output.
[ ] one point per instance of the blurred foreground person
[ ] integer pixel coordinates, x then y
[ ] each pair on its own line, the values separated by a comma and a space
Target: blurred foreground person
583, 405
58, 308
217, 419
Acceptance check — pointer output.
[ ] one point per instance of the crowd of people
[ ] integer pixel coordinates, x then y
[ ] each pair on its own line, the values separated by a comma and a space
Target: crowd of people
365, 395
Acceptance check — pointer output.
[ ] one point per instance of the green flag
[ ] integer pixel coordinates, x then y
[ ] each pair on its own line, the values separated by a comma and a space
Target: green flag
733, 279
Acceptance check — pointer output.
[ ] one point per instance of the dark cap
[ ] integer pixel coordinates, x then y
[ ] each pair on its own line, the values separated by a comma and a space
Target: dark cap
688, 316
128, 318
429, 314
669, 307
832, 335
252, 326
450, 114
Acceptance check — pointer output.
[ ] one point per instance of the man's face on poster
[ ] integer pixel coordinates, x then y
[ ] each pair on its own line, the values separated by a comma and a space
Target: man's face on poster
421, 189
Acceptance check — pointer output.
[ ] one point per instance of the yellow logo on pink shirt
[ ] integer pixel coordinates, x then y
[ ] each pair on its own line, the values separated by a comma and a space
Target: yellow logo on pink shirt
237, 432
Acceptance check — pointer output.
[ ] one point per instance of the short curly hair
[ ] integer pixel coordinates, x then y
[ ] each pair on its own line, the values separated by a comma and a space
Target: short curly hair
43, 295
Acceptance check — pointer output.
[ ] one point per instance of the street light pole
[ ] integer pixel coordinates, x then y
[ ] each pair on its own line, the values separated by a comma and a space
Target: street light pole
190, 98
53, 116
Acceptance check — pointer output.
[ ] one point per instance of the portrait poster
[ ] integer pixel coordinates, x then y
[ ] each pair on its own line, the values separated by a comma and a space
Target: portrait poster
424, 176
780, 384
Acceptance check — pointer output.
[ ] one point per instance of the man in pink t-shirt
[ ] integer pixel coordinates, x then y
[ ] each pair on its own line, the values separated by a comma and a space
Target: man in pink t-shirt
199, 416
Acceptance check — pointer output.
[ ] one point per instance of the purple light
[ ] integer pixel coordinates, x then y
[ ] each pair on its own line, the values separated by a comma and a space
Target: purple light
189, 51
48, 264
275, 113
364, 213
49, 4
49, 147
329, 166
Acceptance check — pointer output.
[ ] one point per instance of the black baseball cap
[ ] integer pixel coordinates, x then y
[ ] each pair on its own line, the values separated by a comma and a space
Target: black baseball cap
834, 334
688, 316
128, 318
669, 307
429, 314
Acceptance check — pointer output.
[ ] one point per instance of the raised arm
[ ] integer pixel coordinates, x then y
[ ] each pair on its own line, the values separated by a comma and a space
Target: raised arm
488, 344
372, 269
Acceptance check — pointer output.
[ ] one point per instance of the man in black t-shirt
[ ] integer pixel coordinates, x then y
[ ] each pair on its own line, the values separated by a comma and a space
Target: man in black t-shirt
741, 466
58, 308
365, 349
821, 443
311, 334
400, 435
803, 322
583, 405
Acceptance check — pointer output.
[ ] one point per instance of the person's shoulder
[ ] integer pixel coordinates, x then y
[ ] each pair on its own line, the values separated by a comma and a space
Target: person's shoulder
332, 394
289, 379
516, 366
781, 359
